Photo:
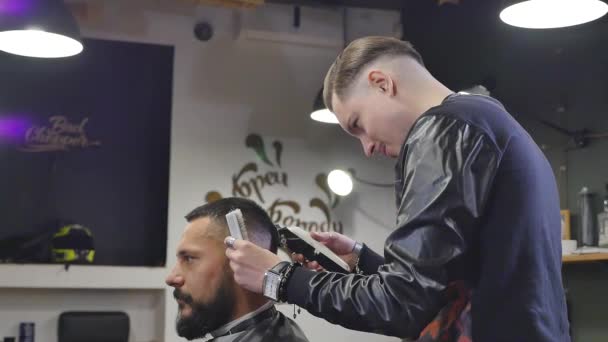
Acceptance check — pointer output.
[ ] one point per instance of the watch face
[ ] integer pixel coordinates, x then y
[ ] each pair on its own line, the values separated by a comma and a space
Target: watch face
271, 285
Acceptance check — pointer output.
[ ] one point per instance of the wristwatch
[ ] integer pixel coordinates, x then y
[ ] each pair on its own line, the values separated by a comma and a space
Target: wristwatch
272, 280
357, 248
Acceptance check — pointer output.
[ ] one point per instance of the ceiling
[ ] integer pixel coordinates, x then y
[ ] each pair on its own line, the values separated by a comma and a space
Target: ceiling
377, 4
457, 38
462, 41
535, 73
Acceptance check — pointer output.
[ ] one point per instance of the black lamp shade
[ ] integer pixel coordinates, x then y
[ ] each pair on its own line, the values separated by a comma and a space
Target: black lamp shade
319, 103
320, 112
48, 16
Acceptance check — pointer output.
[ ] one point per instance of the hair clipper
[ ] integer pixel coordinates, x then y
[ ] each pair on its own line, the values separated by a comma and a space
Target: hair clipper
297, 240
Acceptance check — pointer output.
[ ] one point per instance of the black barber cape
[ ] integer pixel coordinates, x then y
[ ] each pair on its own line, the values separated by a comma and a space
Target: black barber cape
263, 325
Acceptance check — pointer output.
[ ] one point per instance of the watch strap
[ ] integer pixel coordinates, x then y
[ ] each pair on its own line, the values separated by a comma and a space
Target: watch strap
278, 268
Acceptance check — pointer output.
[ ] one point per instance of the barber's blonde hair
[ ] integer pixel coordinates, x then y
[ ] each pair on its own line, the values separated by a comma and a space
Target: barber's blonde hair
356, 56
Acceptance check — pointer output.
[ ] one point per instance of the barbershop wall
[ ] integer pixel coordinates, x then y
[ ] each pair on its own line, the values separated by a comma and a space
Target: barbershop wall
246, 79
259, 75
226, 89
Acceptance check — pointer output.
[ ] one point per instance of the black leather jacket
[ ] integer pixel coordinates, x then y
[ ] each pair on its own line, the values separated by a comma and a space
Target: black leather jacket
445, 176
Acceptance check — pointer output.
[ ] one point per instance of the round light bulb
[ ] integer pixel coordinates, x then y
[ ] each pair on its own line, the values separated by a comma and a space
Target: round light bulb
38, 43
544, 14
324, 115
340, 182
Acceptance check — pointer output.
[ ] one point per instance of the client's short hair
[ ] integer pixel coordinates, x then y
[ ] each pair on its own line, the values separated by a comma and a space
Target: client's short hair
260, 228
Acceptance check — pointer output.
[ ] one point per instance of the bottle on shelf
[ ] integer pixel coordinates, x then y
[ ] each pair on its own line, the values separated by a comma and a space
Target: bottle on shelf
26, 331
587, 233
602, 222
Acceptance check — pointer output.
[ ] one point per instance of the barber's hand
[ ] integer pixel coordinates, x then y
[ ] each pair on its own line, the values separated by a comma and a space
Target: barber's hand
249, 262
340, 244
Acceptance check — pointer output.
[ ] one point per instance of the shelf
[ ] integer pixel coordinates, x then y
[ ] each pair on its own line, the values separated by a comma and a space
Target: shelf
578, 258
82, 277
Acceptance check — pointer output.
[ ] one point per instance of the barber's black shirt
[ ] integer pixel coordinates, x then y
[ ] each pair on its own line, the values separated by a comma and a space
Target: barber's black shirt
476, 252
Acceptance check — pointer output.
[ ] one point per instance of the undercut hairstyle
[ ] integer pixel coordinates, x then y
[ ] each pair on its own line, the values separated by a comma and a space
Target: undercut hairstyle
356, 56
260, 228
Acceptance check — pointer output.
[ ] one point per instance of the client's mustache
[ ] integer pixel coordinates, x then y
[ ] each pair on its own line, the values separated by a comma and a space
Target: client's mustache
186, 298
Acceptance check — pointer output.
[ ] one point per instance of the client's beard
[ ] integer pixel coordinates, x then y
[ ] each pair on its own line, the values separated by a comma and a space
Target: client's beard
205, 317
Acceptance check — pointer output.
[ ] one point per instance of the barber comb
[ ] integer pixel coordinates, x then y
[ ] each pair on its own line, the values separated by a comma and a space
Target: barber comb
236, 224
